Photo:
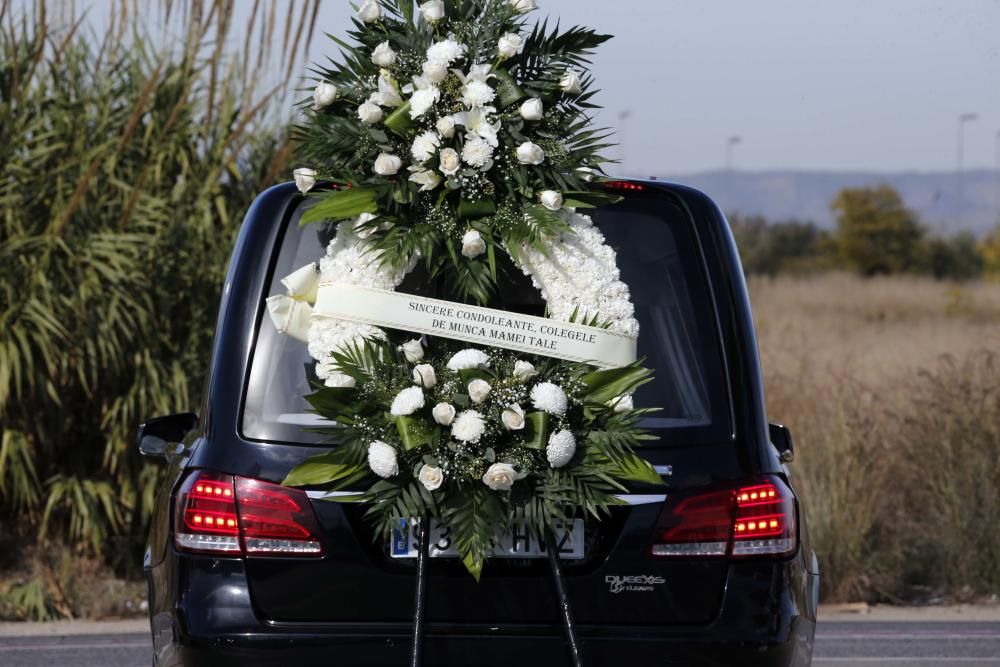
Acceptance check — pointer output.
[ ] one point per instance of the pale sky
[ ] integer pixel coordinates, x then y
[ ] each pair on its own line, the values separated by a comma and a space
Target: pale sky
872, 85
808, 84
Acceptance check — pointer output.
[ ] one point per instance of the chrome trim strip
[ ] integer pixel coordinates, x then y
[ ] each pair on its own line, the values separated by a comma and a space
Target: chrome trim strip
630, 498
666, 471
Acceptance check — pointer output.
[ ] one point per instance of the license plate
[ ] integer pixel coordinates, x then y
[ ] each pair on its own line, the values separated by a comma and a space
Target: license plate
518, 543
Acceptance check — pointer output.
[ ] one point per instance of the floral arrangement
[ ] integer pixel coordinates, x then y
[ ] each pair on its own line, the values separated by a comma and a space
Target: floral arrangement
453, 136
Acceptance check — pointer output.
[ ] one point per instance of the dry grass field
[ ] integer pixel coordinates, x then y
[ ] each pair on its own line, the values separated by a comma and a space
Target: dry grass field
891, 387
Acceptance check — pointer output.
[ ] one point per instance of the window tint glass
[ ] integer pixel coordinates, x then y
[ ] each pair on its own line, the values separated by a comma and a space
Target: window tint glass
660, 262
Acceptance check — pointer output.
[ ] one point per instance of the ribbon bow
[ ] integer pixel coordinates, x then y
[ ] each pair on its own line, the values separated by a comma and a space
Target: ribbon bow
291, 312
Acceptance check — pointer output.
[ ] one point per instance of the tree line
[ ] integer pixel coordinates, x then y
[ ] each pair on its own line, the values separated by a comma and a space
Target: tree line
876, 234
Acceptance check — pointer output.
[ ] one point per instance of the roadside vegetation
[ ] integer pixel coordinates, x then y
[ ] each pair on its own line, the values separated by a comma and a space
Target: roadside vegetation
128, 158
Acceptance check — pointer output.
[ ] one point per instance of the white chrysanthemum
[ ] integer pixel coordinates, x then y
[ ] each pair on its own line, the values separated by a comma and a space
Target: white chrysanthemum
445, 52
561, 447
422, 100
477, 94
382, 459
578, 273
468, 426
468, 358
425, 146
407, 401
477, 153
549, 398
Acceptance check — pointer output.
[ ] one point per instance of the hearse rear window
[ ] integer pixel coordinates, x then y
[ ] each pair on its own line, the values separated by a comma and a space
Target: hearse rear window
659, 260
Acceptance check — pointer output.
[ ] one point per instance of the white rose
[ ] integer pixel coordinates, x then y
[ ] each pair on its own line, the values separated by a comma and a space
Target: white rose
532, 109
382, 459
586, 173
478, 390
432, 11
621, 403
551, 200
513, 417
450, 160
305, 179
407, 402
387, 165
435, 72
324, 95
571, 83
500, 476
529, 153
524, 6
431, 477
473, 244
468, 426
413, 350
361, 226
524, 370
337, 379
510, 45
425, 178
444, 413
446, 127
424, 146
424, 376
370, 113
370, 11
383, 55
561, 447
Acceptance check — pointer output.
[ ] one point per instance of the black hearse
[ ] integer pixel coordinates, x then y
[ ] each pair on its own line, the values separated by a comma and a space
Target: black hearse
715, 569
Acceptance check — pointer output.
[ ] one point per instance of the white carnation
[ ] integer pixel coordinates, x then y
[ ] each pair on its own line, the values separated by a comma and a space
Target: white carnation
424, 375
382, 459
477, 94
468, 426
473, 244
422, 100
500, 476
407, 402
369, 113
425, 146
549, 398
477, 152
305, 179
444, 413
478, 390
468, 358
431, 477
561, 447
445, 52
324, 95
383, 55
524, 370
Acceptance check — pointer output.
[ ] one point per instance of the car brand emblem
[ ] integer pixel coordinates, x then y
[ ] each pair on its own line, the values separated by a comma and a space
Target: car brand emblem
637, 583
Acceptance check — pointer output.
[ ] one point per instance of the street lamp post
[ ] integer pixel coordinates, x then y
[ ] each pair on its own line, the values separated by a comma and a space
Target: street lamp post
996, 185
962, 120
731, 143
623, 117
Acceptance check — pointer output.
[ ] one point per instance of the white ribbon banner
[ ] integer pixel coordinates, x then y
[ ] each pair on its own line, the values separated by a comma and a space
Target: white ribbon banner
474, 324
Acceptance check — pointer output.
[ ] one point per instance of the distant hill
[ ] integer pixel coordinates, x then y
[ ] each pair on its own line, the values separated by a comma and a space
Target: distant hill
806, 195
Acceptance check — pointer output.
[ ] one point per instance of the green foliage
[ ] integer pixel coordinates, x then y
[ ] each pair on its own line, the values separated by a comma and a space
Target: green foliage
876, 233
782, 247
126, 168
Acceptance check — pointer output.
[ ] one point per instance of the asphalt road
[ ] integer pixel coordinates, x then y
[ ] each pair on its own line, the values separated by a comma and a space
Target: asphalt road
880, 643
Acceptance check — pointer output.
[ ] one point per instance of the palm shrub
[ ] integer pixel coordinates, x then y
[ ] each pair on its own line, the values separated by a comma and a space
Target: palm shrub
127, 163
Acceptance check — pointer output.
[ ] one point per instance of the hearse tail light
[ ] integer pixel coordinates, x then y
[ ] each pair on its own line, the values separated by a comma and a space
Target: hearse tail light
226, 515
625, 186
744, 521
